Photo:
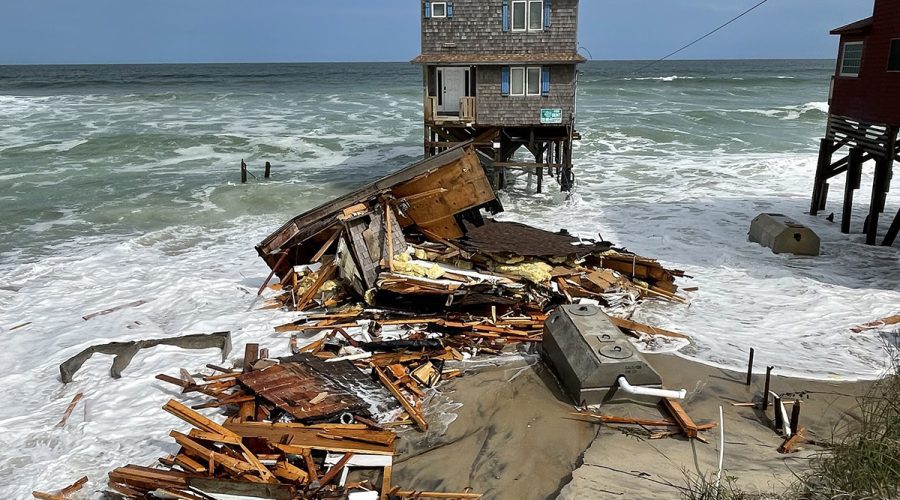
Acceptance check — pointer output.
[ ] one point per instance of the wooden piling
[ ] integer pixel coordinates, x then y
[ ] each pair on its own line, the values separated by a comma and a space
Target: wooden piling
750, 367
795, 417
779, 418
268, 170
854, 178
766, 389
243, 172
892, 232
820, 190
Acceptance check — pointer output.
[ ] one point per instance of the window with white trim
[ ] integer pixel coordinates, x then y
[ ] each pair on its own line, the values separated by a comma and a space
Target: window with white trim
527, 15
851, 58
525, 81
438, 9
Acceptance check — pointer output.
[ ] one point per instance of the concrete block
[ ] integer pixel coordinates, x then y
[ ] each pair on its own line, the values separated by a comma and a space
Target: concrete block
589, 353
784, 235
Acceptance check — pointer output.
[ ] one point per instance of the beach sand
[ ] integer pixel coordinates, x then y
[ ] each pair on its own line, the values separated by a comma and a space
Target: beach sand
514, 436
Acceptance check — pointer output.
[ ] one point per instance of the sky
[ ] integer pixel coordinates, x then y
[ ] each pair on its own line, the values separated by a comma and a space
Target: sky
176, 31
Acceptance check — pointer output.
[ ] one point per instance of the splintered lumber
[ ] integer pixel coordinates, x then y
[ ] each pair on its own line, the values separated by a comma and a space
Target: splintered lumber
299, 437
874, 325
788, 445
611, 419
433, 494
146, 478
322, 275
289, 472
62, 494
251, 354
327, 245
269, 277
136, 303
386, 482
628, 324
70, 409
681, 417
197, 420
410, 409
334, 471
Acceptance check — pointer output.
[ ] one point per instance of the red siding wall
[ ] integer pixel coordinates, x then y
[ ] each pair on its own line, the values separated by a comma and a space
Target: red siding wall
873, 96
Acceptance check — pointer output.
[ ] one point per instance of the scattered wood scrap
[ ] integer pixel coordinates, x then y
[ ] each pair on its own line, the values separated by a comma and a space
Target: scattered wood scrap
788, 445
875, 325
70, 409
688, 427
104, 312
62, 494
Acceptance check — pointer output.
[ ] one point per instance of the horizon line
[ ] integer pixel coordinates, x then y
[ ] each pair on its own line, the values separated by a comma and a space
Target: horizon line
196, 63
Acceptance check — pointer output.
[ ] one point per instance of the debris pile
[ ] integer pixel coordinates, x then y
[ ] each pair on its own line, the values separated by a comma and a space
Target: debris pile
294, 428
395, 284
413, 250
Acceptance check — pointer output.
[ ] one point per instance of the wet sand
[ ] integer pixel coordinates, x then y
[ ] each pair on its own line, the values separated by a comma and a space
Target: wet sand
514, 436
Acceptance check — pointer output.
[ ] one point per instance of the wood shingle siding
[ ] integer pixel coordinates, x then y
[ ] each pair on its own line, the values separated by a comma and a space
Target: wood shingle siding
476, 28
496, 109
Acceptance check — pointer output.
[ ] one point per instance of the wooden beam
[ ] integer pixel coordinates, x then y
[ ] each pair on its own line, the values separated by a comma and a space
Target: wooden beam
642, 328
681, 417
410, 409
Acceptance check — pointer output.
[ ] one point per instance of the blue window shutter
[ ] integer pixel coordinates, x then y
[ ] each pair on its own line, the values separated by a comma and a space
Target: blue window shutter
547, 8
505, 15
449, 9
504, 81
545, 80
427, 10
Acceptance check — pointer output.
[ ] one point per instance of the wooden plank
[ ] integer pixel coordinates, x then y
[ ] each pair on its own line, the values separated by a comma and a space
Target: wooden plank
136, 303
197, 420
386, 483
681, 417
70, 409
318, 255
628, 324
62, 494
334, 471
612, 419
310, 438
788, 445
880, 323
324, 274
434, 494
410, 409
251, 354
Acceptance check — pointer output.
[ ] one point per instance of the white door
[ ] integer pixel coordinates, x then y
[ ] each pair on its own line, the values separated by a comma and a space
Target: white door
452, 87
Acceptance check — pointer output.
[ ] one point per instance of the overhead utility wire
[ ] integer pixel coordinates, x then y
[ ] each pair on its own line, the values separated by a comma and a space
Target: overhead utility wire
742, 14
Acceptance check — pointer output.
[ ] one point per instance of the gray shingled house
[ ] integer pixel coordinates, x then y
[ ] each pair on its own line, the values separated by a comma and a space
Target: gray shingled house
502, 72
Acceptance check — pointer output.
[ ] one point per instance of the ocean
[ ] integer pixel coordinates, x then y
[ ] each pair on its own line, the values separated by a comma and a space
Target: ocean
122, 183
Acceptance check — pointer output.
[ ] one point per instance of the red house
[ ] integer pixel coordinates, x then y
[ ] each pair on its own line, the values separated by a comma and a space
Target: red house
864, 115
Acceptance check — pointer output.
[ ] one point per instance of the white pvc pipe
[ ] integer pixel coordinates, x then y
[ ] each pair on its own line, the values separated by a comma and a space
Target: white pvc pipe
649, 391
721, 447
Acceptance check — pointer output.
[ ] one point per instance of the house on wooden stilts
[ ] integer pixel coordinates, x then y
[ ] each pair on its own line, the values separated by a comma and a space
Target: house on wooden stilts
502, 73
864, 116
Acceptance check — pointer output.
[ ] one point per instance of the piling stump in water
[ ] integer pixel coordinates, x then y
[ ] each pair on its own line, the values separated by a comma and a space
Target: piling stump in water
243, 172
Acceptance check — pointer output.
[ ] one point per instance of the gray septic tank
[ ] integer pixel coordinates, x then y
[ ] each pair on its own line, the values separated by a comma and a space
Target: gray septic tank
589, 353
784, 235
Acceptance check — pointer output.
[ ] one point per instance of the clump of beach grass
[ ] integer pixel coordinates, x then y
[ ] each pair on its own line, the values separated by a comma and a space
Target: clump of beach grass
865, 462
700, 487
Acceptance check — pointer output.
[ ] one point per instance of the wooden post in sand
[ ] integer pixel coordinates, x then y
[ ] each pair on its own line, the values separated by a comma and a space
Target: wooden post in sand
750, 367
795, 417
243, 172
268, 170
766, 390
779, 417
